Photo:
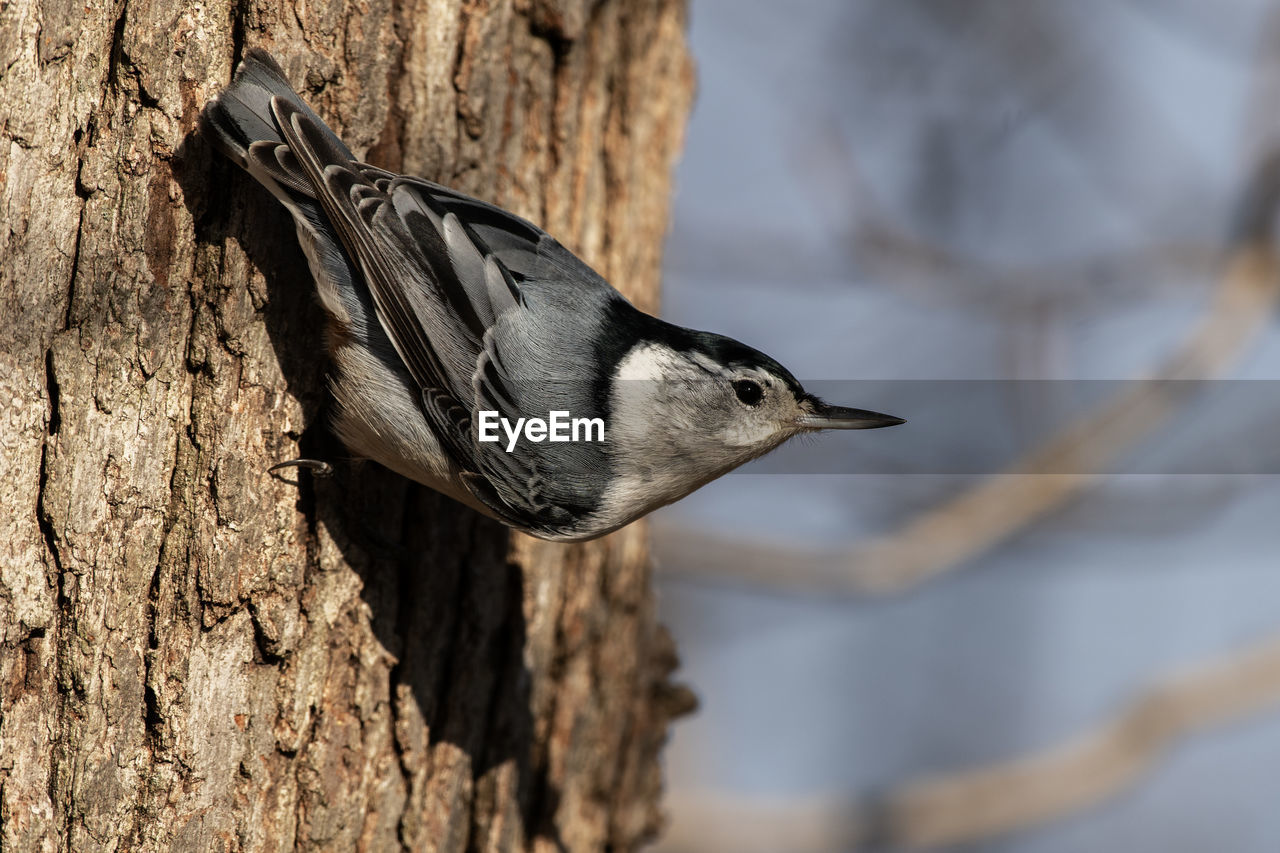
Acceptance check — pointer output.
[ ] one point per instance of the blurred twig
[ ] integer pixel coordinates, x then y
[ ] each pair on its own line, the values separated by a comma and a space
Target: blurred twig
972, 805
883, 253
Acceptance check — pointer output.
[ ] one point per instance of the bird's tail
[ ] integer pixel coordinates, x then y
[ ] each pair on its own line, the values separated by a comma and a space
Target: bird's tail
241, 113
241, 123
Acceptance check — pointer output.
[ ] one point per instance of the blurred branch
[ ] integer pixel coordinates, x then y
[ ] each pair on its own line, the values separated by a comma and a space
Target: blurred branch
1022, 793
884, 253
996, 509
710, 822
969, 806
889, 252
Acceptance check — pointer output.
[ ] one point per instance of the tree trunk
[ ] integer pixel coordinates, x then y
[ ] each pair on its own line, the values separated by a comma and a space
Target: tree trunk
195, 655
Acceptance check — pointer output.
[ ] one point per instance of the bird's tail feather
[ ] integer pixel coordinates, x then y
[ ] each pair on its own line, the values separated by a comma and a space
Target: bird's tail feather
241, 123
241, 114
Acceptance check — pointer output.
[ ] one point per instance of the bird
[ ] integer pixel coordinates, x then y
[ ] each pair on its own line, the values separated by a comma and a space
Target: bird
447, 316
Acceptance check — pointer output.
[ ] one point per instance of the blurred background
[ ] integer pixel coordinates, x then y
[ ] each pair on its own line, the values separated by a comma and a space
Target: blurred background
934, 646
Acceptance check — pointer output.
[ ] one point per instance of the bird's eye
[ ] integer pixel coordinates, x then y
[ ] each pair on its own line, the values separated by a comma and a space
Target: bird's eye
748, 392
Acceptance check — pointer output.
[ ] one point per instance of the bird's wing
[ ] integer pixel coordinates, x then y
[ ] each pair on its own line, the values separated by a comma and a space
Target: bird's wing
429, 264
524, 249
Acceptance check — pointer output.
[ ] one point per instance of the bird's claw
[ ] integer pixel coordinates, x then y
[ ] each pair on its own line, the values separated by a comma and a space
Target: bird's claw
318, 467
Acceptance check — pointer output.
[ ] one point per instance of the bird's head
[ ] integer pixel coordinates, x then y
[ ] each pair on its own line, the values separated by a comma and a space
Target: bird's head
705, 404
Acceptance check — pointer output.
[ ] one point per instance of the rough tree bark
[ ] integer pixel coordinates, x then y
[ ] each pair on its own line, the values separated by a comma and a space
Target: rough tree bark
194, 655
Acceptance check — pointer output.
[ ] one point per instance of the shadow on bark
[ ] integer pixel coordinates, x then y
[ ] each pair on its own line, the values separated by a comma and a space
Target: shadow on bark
444, 600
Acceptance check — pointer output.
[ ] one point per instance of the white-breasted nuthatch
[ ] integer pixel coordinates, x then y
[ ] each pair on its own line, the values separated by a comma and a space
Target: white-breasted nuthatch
443, 307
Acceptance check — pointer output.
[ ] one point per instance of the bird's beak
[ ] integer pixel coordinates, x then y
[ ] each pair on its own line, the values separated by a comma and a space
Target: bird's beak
823, 416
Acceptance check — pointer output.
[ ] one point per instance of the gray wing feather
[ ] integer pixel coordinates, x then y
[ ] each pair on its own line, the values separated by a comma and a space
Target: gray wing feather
442, 231
469, 266
501, 288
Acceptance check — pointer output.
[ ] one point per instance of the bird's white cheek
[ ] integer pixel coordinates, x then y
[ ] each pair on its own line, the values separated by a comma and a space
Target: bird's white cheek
746, 433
